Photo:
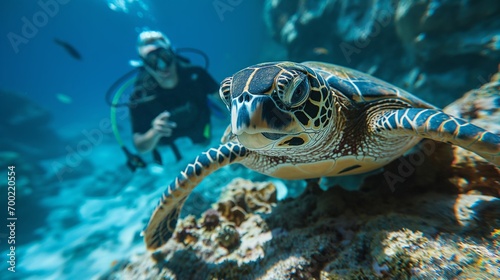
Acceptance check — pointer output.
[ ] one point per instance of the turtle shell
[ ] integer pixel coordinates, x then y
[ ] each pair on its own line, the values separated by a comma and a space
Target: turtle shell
360, 87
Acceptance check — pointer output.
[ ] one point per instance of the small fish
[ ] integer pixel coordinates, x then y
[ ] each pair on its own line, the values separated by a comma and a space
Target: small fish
63, 98
135, 63
320, 51
69, 48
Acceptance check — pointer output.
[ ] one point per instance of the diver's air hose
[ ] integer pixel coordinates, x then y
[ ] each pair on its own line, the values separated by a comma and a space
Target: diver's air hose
117, 86
116, 98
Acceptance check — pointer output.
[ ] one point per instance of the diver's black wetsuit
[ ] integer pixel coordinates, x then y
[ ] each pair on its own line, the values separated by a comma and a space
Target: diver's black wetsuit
187, 103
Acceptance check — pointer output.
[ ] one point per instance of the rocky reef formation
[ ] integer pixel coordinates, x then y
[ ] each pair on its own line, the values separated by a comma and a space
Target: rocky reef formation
231, 234
434, 49
20, 119
433, 214
333, 234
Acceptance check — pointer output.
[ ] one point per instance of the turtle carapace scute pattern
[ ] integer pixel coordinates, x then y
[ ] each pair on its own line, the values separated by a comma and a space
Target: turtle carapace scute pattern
308, 120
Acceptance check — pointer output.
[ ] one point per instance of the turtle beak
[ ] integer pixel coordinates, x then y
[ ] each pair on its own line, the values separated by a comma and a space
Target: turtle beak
243, 118
258, 123
258, 114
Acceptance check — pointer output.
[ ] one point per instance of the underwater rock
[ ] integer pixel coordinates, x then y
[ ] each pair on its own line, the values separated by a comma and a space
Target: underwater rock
333, 234
20, 119
469, 171
434, 49
334, 30
471, 28
18, 111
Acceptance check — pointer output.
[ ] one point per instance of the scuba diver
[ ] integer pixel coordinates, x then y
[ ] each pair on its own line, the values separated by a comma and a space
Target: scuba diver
170, 97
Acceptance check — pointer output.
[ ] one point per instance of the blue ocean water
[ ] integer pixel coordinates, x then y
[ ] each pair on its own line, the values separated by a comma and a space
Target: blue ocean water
40, 69
66, 96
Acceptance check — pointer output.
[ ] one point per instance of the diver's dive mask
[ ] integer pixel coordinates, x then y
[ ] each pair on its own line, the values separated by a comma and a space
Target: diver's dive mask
160, 59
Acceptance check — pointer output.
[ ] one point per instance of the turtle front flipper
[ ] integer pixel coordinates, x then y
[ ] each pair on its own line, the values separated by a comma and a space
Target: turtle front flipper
436, 125
164, 218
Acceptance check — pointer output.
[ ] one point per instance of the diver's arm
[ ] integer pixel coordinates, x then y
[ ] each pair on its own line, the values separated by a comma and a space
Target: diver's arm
160, 127
147, 141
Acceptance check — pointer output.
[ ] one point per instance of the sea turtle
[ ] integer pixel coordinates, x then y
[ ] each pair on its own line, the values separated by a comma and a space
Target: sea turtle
308, 120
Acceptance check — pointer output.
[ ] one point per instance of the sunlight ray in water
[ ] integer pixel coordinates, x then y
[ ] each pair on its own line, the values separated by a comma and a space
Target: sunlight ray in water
137, 7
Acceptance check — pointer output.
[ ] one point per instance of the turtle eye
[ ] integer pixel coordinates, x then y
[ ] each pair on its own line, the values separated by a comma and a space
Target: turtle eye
225, 91
297, 92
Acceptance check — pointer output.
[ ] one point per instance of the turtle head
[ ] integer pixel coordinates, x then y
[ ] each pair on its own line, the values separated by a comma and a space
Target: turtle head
276, 105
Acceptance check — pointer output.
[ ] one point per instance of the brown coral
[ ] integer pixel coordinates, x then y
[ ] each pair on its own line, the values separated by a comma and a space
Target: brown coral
187, 234
243, 197
211, 219
228, 237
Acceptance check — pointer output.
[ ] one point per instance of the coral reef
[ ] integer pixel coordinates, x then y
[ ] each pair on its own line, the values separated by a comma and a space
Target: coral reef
231, 235
336, 234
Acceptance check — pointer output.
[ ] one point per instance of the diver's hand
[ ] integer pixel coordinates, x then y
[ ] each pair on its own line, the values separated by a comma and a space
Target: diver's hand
161, 126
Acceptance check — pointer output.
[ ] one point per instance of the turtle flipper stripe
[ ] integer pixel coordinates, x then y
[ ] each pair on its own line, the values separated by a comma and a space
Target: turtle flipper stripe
164, 218
436, 125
